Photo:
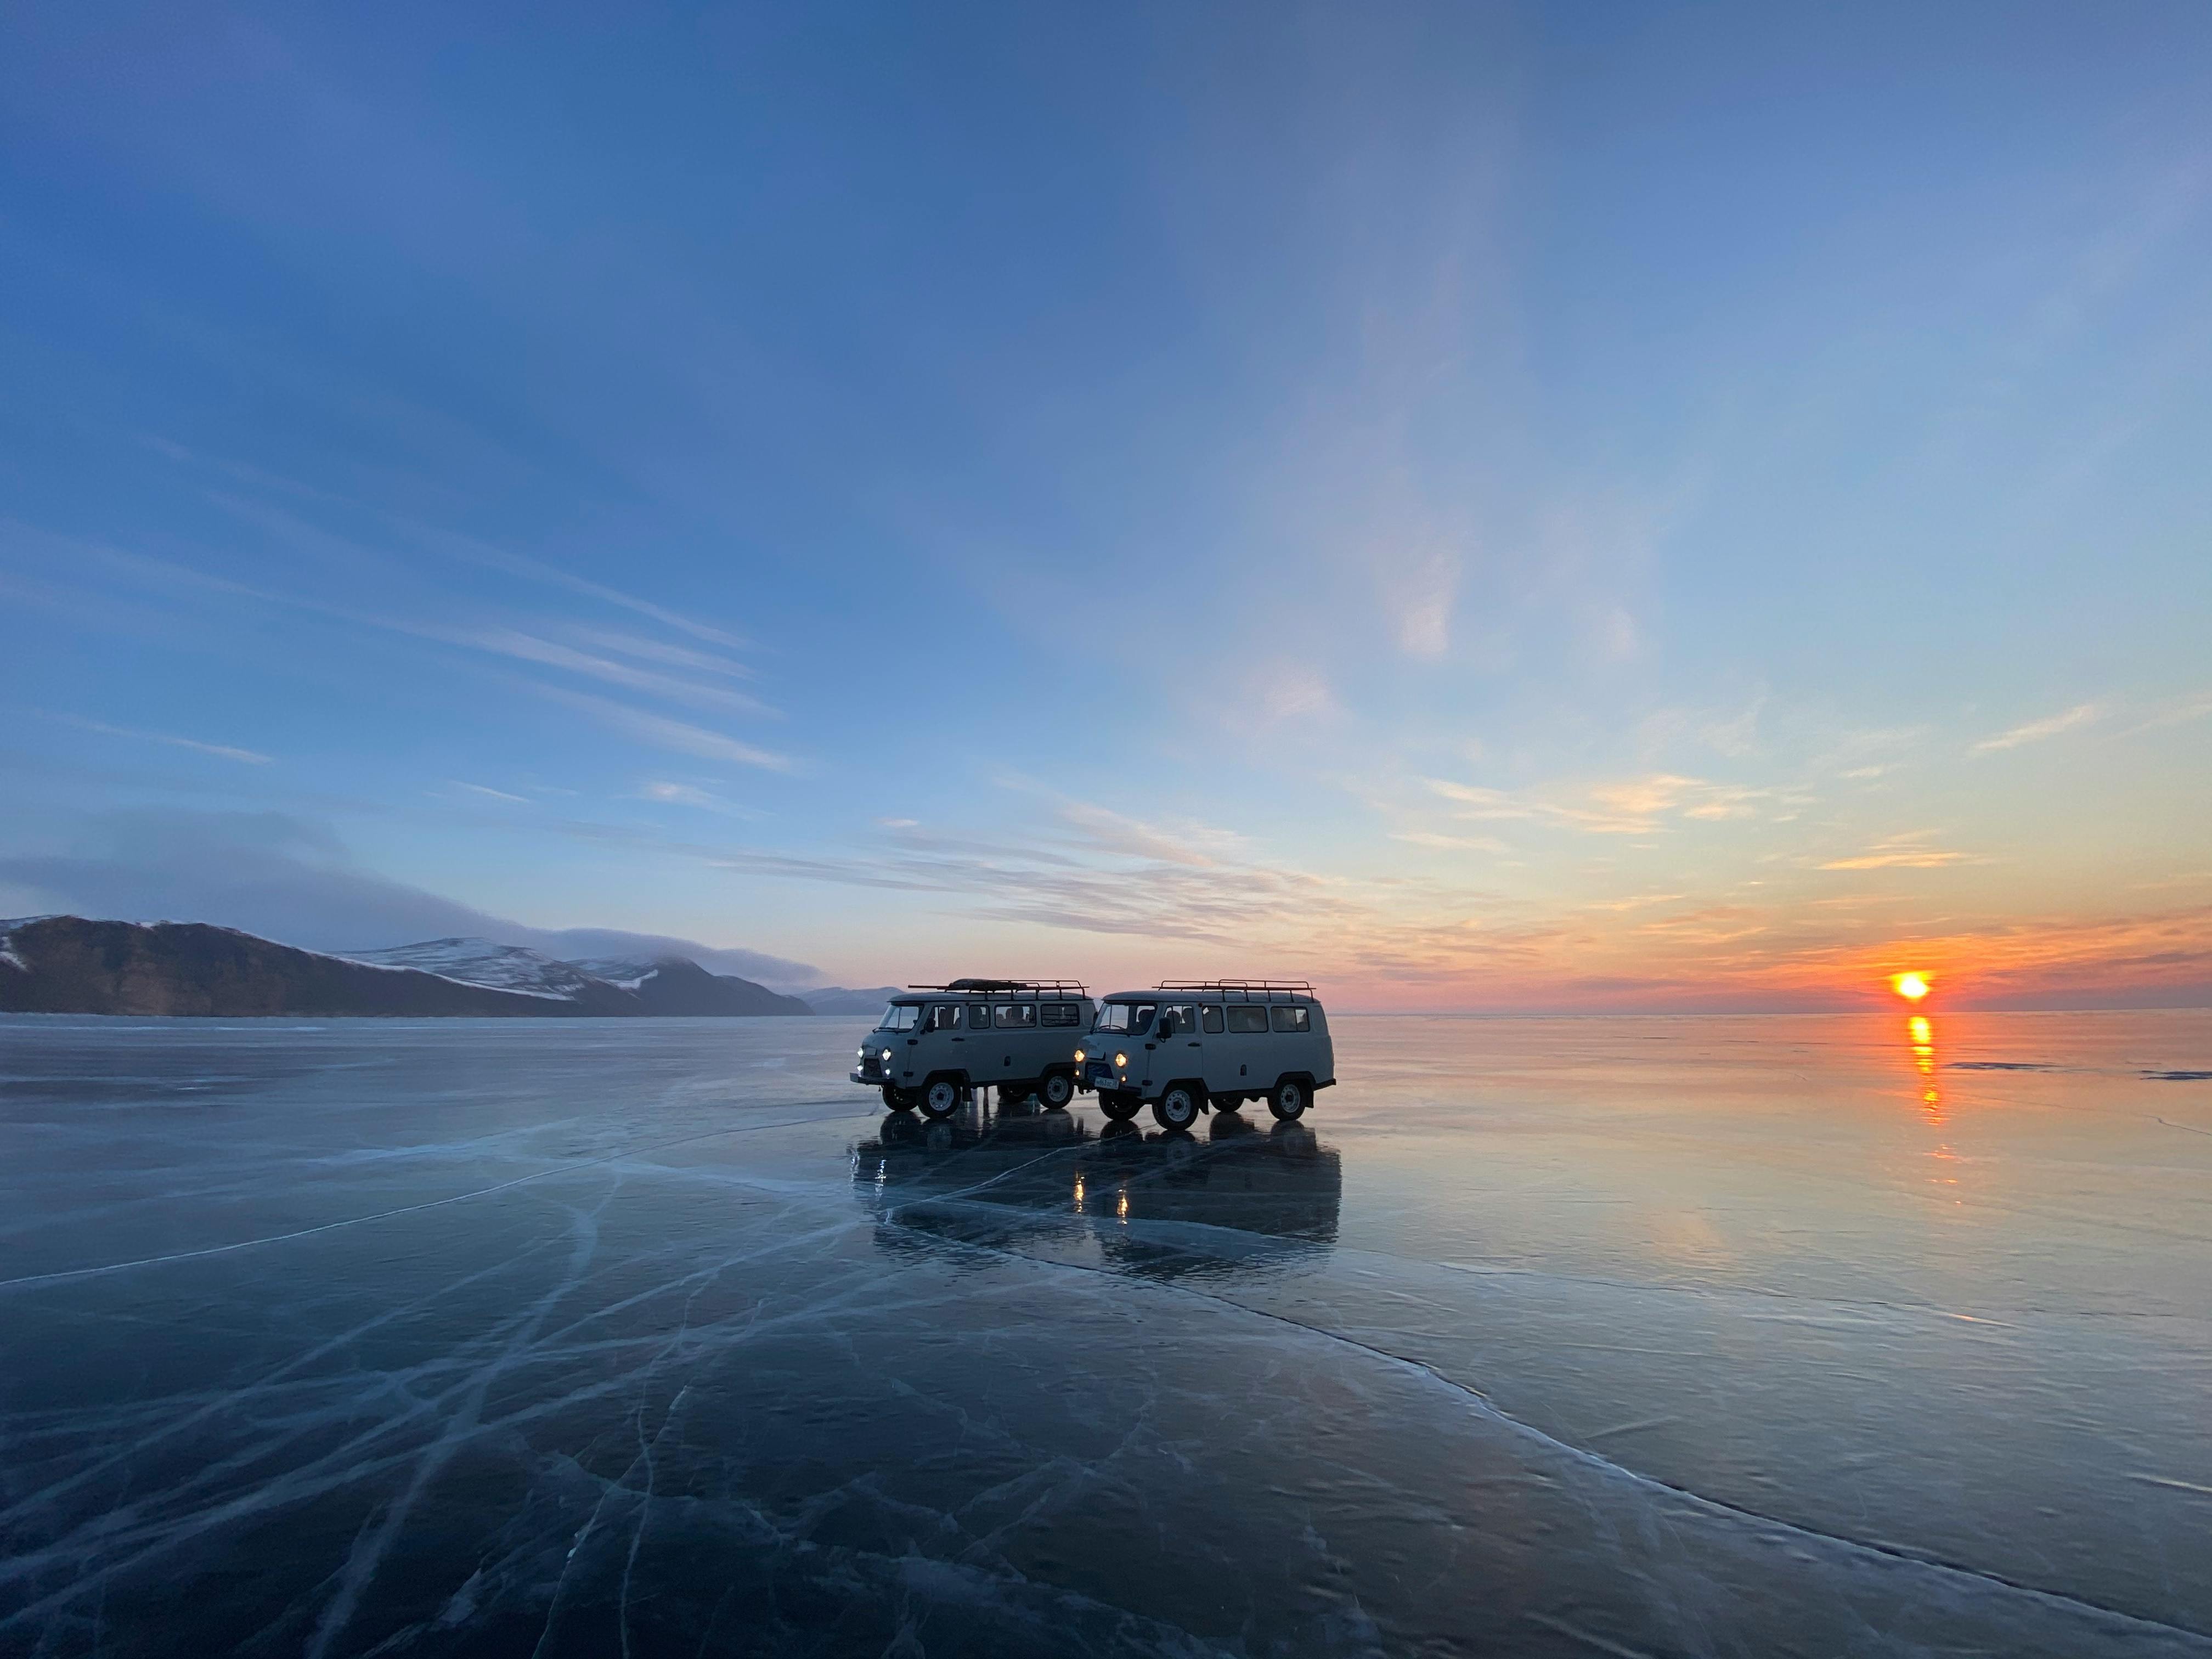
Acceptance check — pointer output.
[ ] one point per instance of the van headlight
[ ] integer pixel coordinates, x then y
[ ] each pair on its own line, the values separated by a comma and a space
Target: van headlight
887, 1055
1079, 1056
1120, 1059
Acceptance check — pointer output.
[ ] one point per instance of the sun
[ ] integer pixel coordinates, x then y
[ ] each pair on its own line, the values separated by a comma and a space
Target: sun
1911, 987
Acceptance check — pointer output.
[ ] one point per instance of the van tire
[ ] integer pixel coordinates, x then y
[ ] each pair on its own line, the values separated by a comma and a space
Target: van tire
1289, 1097
1056, 1090
1177, 1108
898, 1099
941, 1098
1227, 1102
1014, 1092
1118, 1106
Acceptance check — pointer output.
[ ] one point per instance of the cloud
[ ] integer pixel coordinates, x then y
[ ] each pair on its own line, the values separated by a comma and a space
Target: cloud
1187, 843
1637, 903
290, 879
1736, 737
496, 794
448, 542
2081, 714
518, 644
1450, 843
1418, 590
528, 648
661, 732
1902, 853
221, 751
1631, 807
2179, 712
684, 794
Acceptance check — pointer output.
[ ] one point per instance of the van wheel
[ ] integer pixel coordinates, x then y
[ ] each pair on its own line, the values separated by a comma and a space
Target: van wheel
898, 1098
1227, 1102
941, 1099
1056, 1090
1013, 1094
1177, 1107
1290, 1099
1119, 1106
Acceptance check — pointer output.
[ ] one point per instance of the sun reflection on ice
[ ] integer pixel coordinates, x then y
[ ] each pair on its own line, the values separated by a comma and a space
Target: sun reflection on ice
1920, 1040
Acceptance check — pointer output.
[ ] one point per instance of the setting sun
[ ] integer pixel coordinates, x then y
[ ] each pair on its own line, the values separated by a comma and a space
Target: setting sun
1911, 987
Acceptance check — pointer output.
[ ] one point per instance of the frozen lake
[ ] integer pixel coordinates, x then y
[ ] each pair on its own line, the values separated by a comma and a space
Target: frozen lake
1647, 1336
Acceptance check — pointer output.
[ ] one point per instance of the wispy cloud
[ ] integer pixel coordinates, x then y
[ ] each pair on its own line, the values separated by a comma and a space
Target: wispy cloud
485, 789
1418, 589
678, 737
704, 800
1196, 845
221, 750
1444, 843
1908, 852
529, 648
2081, 714
1628, 806
2179, 712
1642, 901
450, 543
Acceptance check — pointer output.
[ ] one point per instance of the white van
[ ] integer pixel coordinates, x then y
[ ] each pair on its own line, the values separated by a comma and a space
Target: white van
1187, 1044
934, 1049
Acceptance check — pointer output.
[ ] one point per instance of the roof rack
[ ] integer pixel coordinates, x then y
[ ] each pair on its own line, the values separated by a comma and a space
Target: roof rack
1010, 986
1267, 988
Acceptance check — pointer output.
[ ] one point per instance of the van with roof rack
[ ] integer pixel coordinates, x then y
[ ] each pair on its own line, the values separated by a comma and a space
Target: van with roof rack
1188, 1044
934, 1047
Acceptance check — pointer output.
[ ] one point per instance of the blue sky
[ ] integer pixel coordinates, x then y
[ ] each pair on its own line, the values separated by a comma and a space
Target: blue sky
1490, 507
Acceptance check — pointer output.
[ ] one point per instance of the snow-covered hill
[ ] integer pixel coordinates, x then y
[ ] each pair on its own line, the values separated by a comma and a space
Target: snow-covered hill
664, 985
496, 967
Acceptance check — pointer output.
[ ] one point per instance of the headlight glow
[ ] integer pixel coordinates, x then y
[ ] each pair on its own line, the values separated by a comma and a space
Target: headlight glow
887, 1054
1079, 1056
1120, 1059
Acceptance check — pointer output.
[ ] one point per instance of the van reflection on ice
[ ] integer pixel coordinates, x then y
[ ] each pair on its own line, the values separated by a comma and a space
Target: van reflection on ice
1164, 1205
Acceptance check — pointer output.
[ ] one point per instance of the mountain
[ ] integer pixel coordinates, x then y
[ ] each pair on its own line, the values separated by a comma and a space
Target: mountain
836, 999
505, 968
66, 964
677, 985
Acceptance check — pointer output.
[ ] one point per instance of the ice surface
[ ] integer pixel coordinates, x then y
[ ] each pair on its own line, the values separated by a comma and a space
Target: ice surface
1641, 1336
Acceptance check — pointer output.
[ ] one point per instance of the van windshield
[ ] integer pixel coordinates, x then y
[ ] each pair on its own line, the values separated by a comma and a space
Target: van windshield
1130, 1016
900, 1017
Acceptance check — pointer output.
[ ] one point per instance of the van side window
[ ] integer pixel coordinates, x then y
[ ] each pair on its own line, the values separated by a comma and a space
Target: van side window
943, 1017
1059, 1013
1243, 1017
1210, 1014
1292, 1019
1016, 1016
979, 1016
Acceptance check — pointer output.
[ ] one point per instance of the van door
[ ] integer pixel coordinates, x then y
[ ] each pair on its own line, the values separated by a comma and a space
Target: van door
1060, 1034
1220, 1072
1294, 1041
1245, 1045
1182, 1051
930, 1049
1014, 1048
